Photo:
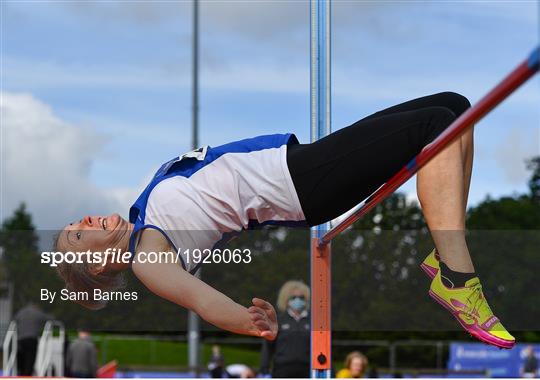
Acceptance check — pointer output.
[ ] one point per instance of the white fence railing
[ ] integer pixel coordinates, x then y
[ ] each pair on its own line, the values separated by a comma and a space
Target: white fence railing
50, 352
9, 352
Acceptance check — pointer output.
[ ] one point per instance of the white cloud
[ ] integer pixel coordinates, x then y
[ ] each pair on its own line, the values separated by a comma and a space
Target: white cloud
265, 77
46, 164
23, 73
260, 77
142, 13
511, 153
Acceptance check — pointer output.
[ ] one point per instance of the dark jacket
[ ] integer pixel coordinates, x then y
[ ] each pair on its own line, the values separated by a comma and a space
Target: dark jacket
531, 364
291, 346
81, 358
30, 321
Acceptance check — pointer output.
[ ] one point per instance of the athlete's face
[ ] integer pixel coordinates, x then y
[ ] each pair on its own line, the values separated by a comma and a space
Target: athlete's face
95, 233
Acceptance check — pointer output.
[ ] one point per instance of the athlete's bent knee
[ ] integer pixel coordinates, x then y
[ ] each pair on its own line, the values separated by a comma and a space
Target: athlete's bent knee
442, 117
456, 102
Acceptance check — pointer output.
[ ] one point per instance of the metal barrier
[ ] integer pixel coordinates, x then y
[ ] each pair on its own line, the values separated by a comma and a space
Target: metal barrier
50, 352
9, 352
6, 306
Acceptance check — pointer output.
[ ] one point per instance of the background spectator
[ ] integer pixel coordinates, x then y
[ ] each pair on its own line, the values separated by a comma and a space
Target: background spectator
240, 371
289, 352
530, 366
30, 322
81, 358
355, 366
215, 365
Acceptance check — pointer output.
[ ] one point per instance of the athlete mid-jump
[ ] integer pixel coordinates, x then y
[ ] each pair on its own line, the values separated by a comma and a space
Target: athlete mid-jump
198, 199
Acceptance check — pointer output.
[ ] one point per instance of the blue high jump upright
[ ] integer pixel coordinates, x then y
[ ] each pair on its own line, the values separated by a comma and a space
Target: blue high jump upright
320, 256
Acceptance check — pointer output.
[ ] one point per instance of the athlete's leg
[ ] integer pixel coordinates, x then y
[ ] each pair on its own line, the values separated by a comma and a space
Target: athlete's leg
467, 152
337, 172
442, 187
453, 166
455, 102
455, 285
340, 170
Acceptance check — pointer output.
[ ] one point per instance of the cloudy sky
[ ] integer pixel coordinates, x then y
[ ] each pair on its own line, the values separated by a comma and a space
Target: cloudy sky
96, 95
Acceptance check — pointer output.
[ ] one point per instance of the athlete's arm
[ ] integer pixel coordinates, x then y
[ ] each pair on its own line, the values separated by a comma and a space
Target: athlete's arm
172, 282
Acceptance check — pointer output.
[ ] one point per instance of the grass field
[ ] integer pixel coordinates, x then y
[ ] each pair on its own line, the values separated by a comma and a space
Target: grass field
166, 354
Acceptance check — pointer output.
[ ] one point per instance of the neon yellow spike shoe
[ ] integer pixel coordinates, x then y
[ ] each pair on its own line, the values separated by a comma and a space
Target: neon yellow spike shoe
469, 306
430, 265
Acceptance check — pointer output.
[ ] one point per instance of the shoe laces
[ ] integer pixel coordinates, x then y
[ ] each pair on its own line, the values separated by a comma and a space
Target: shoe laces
476, 299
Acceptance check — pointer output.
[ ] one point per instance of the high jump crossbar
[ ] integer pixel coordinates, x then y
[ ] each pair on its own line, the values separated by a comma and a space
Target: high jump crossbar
321, 236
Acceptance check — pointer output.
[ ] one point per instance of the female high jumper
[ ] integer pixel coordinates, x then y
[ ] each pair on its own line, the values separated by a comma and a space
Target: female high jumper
199, 199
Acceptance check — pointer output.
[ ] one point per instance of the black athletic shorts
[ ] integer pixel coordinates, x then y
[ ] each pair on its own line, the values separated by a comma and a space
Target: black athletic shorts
337, 172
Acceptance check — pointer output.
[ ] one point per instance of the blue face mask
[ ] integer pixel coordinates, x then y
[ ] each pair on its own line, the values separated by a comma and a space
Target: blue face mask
297, 303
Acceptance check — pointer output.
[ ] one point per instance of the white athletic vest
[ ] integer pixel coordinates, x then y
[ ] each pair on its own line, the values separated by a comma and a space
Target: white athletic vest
202, 198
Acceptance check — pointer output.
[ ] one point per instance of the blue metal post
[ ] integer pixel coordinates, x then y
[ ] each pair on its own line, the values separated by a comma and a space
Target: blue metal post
320, 127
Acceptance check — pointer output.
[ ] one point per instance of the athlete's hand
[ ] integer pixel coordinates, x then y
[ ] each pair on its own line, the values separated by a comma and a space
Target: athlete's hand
263, 317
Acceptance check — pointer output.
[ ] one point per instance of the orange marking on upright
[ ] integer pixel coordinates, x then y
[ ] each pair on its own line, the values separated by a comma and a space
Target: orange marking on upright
321, 313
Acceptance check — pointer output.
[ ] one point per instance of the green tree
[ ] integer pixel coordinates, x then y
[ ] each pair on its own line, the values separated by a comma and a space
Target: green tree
534, 182
20, 259
510, 212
